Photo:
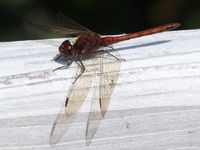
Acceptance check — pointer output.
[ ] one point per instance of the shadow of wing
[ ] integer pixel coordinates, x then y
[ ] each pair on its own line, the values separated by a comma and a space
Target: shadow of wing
76, 96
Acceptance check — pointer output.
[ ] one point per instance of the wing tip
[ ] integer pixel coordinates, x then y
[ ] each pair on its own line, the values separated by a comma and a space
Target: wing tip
53, 141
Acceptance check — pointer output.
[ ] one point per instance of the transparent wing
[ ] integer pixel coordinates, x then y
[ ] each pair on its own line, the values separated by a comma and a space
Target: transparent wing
110, 68
108, 74
76, 96
95, 116
56, 30
69, 23
69, 27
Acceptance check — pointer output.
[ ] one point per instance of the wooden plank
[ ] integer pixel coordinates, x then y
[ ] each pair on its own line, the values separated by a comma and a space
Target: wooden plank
155, 105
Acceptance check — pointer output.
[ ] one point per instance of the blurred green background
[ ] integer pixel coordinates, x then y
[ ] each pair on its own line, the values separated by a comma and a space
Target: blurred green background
101, 16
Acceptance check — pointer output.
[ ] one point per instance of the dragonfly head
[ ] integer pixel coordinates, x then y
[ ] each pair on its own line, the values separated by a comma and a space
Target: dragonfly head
66, 48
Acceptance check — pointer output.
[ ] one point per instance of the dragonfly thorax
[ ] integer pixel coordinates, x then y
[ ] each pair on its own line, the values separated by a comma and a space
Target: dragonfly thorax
66, 48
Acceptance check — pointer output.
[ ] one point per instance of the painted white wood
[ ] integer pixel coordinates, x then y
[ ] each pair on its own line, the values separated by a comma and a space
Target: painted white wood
155, 105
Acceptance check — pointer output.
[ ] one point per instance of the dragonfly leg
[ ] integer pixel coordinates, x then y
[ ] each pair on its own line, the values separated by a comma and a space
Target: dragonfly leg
64, 67
110, 46
103, 51
81, 65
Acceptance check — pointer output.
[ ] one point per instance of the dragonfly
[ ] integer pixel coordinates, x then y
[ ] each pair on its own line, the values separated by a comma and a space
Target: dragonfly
102, 71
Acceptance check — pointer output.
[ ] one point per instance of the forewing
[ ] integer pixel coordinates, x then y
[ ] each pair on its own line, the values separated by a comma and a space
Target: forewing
56, 30
76, 96
95, 116
110, 68
67, 22
103, 87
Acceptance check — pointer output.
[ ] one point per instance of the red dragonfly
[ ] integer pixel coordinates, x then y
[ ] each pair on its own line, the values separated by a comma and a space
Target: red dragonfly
102, 70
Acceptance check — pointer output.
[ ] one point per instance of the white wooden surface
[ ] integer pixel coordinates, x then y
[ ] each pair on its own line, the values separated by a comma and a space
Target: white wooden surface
155, 105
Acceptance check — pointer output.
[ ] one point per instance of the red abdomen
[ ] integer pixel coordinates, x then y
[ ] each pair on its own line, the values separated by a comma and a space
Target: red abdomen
112, 40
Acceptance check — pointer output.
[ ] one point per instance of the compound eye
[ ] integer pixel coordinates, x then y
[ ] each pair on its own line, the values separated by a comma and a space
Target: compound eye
67, 45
